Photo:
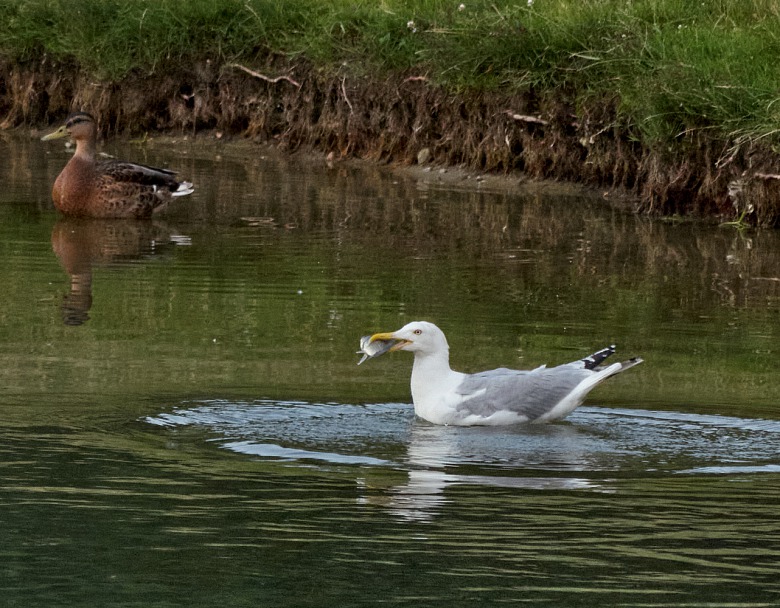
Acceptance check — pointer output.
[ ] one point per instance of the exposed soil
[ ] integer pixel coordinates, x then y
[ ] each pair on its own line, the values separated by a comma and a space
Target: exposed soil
408, 120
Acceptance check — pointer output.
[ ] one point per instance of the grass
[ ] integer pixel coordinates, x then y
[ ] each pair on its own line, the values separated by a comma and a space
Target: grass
670, 66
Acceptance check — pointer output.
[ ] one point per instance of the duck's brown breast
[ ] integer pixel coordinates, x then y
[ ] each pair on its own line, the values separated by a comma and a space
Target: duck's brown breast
74, 188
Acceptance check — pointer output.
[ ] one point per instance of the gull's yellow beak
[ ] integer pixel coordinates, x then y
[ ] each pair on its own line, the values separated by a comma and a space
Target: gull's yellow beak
400, 343
61, 132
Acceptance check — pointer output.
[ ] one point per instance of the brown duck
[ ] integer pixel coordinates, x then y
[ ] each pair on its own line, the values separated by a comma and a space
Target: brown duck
110, 188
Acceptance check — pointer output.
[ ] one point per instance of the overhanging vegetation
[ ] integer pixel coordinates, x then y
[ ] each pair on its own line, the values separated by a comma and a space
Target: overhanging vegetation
677, 76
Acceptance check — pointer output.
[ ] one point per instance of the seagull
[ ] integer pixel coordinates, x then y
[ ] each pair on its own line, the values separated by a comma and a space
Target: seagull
495, 397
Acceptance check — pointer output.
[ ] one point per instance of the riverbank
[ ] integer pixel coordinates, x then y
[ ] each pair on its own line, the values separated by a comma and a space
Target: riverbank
669, 103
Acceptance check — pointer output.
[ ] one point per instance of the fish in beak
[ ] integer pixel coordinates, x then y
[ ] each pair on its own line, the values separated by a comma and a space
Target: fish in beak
379, 344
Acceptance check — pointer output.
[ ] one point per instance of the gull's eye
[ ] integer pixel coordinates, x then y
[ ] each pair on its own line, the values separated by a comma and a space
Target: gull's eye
417, 332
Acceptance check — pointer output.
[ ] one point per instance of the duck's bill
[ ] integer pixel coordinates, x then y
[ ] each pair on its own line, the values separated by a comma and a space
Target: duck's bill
377, 345
61, 132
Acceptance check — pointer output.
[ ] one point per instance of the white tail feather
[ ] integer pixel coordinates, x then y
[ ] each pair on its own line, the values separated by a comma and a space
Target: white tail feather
184, 189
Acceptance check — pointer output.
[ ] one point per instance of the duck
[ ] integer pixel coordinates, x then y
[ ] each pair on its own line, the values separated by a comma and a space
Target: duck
108, 188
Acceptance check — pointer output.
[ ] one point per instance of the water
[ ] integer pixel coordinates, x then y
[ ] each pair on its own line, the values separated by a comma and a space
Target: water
182, 420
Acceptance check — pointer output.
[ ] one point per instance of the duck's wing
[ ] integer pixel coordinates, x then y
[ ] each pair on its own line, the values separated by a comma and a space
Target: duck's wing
134, 173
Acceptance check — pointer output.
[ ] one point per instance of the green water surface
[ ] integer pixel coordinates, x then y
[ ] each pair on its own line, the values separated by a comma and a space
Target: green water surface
183, 423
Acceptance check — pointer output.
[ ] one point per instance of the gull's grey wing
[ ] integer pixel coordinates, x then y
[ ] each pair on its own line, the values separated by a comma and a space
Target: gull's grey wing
528, 393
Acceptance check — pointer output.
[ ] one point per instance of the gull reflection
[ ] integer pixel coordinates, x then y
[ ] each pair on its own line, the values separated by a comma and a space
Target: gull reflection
531, 457
81, 244
402, 464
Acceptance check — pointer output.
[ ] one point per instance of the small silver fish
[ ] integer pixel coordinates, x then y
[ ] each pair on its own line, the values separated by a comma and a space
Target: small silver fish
374, 349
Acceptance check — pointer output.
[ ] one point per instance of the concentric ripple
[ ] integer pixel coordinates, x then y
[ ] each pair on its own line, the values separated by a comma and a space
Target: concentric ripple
593, 442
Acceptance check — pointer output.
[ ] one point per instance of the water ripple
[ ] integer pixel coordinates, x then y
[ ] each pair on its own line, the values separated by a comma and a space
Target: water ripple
594, 442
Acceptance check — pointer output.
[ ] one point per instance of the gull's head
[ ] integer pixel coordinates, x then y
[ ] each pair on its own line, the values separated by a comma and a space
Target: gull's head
417, 337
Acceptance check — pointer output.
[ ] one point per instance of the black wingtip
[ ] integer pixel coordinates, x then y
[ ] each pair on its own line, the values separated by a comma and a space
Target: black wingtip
594, 360
631, 363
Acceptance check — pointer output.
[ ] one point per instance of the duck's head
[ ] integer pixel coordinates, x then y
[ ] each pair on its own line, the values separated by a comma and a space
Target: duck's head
79, 126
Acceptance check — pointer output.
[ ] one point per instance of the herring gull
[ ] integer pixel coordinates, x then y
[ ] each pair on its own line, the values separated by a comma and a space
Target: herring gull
496, 397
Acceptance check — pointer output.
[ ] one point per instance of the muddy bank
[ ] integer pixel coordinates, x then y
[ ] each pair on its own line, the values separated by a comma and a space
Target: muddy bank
407, 120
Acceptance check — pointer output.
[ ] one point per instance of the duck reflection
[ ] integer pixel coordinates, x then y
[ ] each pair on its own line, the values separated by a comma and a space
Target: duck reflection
81, 244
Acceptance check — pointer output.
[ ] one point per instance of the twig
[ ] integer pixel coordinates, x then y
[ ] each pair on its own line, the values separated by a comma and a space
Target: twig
591, 139
263, 76
526, 118
344, 92
416, 79
767, 175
